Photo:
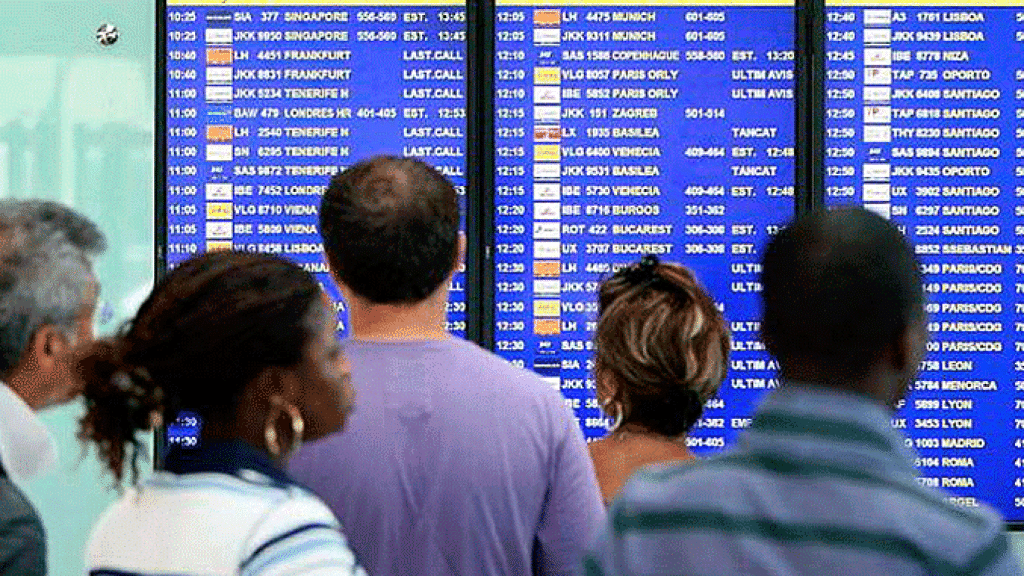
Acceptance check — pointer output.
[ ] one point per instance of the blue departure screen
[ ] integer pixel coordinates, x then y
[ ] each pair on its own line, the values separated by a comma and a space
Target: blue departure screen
925, 126
185, 430
266, 100
625, 129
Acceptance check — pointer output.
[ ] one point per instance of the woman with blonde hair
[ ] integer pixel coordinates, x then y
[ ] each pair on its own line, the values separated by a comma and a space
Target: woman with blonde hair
662, 350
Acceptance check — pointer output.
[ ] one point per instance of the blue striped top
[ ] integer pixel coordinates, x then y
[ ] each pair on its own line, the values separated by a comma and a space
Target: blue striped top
224, 509
820, 484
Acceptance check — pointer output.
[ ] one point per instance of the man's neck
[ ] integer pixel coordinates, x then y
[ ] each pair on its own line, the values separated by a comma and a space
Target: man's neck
385, 322
877, 384
25, 387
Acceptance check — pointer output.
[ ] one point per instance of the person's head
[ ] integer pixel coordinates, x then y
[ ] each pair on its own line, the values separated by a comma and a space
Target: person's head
390, 230
843, 304
48, 295
661, 347
241, 339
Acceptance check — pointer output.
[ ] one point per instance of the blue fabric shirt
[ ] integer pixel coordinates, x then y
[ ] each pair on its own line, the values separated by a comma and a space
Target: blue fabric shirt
820, 484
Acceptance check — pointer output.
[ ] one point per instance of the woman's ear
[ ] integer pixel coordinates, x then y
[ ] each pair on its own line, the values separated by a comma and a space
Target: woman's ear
460, 259
277, 381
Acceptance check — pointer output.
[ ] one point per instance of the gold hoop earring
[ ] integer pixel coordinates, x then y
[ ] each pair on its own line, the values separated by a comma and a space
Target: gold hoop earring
270, 429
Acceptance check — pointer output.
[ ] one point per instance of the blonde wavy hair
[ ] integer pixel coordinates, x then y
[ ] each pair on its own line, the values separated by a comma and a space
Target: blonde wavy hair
662, 347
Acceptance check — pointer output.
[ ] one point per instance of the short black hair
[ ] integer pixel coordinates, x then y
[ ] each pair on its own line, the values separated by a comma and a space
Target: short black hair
390, 228
838, 286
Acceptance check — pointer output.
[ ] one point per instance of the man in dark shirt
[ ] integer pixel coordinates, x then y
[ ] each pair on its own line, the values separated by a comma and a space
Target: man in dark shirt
820, 483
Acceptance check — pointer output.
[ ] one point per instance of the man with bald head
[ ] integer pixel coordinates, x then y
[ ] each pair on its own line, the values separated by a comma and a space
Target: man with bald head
820, 483
454, 462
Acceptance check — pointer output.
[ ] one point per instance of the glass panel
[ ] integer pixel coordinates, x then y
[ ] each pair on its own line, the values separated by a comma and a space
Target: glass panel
76, 126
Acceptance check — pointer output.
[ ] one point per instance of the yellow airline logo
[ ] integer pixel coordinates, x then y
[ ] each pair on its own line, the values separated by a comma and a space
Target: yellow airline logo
546, 153
547, 75
214, 246
546, 308
218, 210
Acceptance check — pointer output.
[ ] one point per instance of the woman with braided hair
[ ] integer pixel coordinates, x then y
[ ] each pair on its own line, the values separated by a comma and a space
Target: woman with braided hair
247, 342
661, 352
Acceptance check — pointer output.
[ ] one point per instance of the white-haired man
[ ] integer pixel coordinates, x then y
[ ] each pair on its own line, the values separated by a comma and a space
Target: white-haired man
48, 294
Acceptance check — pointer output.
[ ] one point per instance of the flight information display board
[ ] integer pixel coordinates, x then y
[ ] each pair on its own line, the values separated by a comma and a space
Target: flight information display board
625, 129
266, 100
925, 126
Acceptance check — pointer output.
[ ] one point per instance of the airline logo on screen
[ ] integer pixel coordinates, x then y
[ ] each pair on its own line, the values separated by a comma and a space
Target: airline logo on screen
547, 27
218, 56
877, 127
542, 133
219, 94
547, 207
546, 152
547, 76
216, 133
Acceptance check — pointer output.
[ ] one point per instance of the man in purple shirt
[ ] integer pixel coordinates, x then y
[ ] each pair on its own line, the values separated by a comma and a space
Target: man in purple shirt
455, 462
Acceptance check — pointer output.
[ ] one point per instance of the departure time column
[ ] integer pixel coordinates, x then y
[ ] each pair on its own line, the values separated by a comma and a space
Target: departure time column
515, 59
184, 136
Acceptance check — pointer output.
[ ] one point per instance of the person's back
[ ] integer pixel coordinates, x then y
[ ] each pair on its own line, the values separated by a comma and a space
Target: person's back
456, 462
465, 461
245, 343
230, 514
820, 483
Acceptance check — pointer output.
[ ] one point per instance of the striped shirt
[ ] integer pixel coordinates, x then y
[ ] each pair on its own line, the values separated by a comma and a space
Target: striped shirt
222, 510
820, 484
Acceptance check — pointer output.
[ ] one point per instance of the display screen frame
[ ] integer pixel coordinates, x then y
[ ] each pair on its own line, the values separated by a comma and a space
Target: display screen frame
474, 227
809, 88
